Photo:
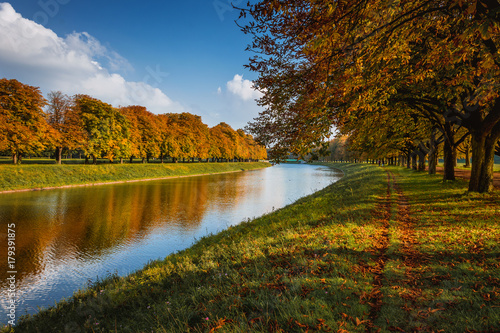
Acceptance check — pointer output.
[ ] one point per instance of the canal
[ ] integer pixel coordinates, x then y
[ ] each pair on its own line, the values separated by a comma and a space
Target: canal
67, 238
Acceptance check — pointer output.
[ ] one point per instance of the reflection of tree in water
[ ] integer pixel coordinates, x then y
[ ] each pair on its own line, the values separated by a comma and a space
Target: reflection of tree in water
223, 187
69, 224
35, 230
186, 204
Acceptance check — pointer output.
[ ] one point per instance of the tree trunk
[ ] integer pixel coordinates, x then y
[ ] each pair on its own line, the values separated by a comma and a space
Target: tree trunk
483, 159
433, 154
421, 161
121, 160
58, 155
94, 159
433, 161
131, 159
414, 161
449, 164
14, 158
143, 160
467, 156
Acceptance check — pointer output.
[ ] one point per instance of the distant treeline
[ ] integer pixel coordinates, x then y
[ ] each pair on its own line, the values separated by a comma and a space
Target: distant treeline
97, 130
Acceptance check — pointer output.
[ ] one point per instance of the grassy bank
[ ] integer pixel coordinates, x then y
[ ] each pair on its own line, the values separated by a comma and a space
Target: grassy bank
16, 177
383, 248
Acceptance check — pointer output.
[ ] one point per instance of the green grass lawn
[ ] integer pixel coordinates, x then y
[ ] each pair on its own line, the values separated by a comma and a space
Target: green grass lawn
29, 176
496, 166
361, 255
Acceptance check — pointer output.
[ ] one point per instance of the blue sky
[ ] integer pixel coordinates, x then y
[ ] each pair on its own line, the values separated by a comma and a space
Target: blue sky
168, 56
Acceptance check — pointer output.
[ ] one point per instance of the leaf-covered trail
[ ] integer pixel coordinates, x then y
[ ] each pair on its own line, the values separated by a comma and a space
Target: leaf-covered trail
382, 215
413, 260
398, 263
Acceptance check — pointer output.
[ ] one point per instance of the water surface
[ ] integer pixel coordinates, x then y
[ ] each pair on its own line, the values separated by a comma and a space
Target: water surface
66, 238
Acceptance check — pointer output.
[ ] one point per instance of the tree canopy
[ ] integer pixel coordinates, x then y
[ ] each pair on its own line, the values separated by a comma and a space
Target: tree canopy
349, 64
23, 125
99, 130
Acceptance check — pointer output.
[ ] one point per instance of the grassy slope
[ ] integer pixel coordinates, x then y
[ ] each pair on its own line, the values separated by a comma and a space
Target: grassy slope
13, 177
457, 272
460, 166
315, 265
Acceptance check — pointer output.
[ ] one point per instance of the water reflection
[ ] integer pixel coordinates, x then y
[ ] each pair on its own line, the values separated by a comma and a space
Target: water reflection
66, 237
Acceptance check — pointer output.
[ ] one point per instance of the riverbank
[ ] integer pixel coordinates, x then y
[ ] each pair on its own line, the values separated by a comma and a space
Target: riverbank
42, 177
384, 248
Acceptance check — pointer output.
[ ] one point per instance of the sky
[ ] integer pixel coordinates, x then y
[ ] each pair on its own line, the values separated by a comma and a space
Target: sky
169, 56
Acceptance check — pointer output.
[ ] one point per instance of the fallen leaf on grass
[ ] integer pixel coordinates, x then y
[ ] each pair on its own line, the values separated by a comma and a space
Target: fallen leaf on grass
218, 324
360, 322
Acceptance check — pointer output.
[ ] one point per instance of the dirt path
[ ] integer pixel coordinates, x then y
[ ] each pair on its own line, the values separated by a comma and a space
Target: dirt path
409, 286
410, 258
465, 174
382, 215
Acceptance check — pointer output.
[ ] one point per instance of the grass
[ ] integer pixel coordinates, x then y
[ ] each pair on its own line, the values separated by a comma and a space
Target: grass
457, 272
30, 176
45, 160
460, 166
361, 255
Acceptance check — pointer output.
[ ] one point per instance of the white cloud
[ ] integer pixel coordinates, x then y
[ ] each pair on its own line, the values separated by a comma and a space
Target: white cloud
235, 105
76, 64
86, 44
244, 89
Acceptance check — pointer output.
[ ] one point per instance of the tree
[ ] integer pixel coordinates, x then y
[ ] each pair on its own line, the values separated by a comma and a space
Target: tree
169, 143
191, 134
65, 122
255, 150
465, 149
106, 129
242, 149
224, 137
23, 128
144, 131
339, 149
320, 61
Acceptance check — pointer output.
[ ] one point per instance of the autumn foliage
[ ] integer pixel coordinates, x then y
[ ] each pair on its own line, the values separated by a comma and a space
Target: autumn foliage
23, 125
399, 78
98, 130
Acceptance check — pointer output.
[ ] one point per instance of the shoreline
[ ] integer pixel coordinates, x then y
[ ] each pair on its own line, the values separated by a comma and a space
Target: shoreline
181, 169
116, 182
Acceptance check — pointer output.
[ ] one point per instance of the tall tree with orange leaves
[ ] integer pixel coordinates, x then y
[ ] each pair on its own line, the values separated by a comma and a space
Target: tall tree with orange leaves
106, 129
144, 131
23, 123
66, 123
